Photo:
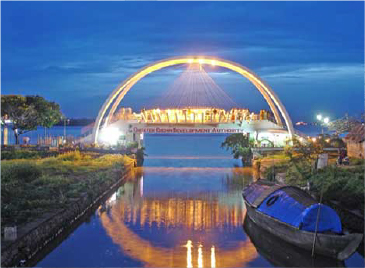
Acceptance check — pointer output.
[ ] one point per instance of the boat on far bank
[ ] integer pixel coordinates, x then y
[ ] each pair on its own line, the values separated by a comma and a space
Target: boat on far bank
294, 216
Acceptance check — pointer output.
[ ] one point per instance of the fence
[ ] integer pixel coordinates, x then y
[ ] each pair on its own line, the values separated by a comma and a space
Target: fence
55, 141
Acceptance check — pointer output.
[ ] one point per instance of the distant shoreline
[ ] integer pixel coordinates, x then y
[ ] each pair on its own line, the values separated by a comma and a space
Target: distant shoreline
73, 122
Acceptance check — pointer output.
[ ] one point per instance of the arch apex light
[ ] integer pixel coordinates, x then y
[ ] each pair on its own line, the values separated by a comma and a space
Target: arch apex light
118, 93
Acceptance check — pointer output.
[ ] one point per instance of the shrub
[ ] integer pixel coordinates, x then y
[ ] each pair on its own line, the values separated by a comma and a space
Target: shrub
70, 156
132, 145
271, 171
20, 172
275, 155
25, 154
297, 173
332, 181
52, 180
356, 161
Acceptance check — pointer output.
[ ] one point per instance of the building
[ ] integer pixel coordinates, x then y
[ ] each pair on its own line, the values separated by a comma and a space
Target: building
355, 142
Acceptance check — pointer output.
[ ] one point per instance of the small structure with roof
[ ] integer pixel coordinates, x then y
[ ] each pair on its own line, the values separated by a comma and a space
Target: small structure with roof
355, 142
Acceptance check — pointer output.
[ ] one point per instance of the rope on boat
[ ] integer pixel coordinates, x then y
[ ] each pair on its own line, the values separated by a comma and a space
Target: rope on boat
317, 220
318, 214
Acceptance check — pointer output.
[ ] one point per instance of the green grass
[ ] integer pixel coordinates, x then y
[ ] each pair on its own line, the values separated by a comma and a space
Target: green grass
31, 187
25, 154
19, 172
77, 163
276, 156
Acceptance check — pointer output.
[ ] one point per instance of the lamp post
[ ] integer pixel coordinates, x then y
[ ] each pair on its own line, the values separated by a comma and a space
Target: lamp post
65, 120
323, 120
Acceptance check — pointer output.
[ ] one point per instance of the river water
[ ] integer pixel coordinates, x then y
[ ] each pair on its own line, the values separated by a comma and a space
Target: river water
182, 209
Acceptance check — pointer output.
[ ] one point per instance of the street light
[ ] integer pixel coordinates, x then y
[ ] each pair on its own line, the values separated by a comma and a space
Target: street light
323, 121
65, 120
110, 135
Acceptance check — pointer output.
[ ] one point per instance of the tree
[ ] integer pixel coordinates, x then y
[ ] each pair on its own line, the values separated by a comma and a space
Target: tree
27, 112
140, 156
337, 142
48, 113
240, 146
302, 156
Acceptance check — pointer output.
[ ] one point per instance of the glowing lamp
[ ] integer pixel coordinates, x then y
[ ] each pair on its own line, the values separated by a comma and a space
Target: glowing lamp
110, 135
314, 139
319, 117
201, 61
190, 60
212, 62
326, 120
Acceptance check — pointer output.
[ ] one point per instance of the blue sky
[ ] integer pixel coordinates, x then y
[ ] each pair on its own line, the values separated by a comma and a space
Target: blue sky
76, 53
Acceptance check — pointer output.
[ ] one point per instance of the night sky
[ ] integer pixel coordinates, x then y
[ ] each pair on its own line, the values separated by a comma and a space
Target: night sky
76, 53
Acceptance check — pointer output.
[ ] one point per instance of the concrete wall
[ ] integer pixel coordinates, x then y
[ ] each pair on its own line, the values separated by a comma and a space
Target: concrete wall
355, 149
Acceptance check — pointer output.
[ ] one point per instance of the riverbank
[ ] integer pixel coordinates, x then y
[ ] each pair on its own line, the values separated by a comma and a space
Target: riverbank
42, 197
341, 187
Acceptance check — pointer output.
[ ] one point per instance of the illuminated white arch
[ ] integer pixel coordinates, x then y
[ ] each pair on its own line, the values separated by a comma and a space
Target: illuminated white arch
118, 93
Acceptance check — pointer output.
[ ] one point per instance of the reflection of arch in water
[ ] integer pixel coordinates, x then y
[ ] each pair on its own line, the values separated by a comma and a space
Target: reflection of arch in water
195, 212
204, 211
179, 256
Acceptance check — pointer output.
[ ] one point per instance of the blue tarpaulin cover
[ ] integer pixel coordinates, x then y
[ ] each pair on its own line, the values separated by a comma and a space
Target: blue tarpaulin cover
328, 219
295, 207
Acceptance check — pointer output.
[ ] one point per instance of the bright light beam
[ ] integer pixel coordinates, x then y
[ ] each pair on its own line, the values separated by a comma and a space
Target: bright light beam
110, 135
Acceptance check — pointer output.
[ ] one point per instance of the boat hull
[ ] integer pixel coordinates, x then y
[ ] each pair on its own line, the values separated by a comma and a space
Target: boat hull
335, 246
282, 254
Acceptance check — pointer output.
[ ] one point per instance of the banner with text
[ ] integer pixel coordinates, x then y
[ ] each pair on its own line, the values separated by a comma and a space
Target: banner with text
175, 130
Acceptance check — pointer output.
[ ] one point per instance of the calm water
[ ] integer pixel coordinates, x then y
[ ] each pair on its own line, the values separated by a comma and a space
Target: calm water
74, 131
182, 209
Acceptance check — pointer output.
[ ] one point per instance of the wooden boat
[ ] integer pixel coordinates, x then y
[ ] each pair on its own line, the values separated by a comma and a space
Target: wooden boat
291, 214
282, 254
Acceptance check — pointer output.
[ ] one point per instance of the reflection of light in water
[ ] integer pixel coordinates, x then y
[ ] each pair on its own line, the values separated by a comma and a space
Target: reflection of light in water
187, 157
201, 211
141, 186
200, 256
156, 256
212, 257
163, 170
189, 258
112, 199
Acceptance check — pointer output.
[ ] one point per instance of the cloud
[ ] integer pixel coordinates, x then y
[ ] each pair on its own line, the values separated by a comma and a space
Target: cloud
85, 49
314, 71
